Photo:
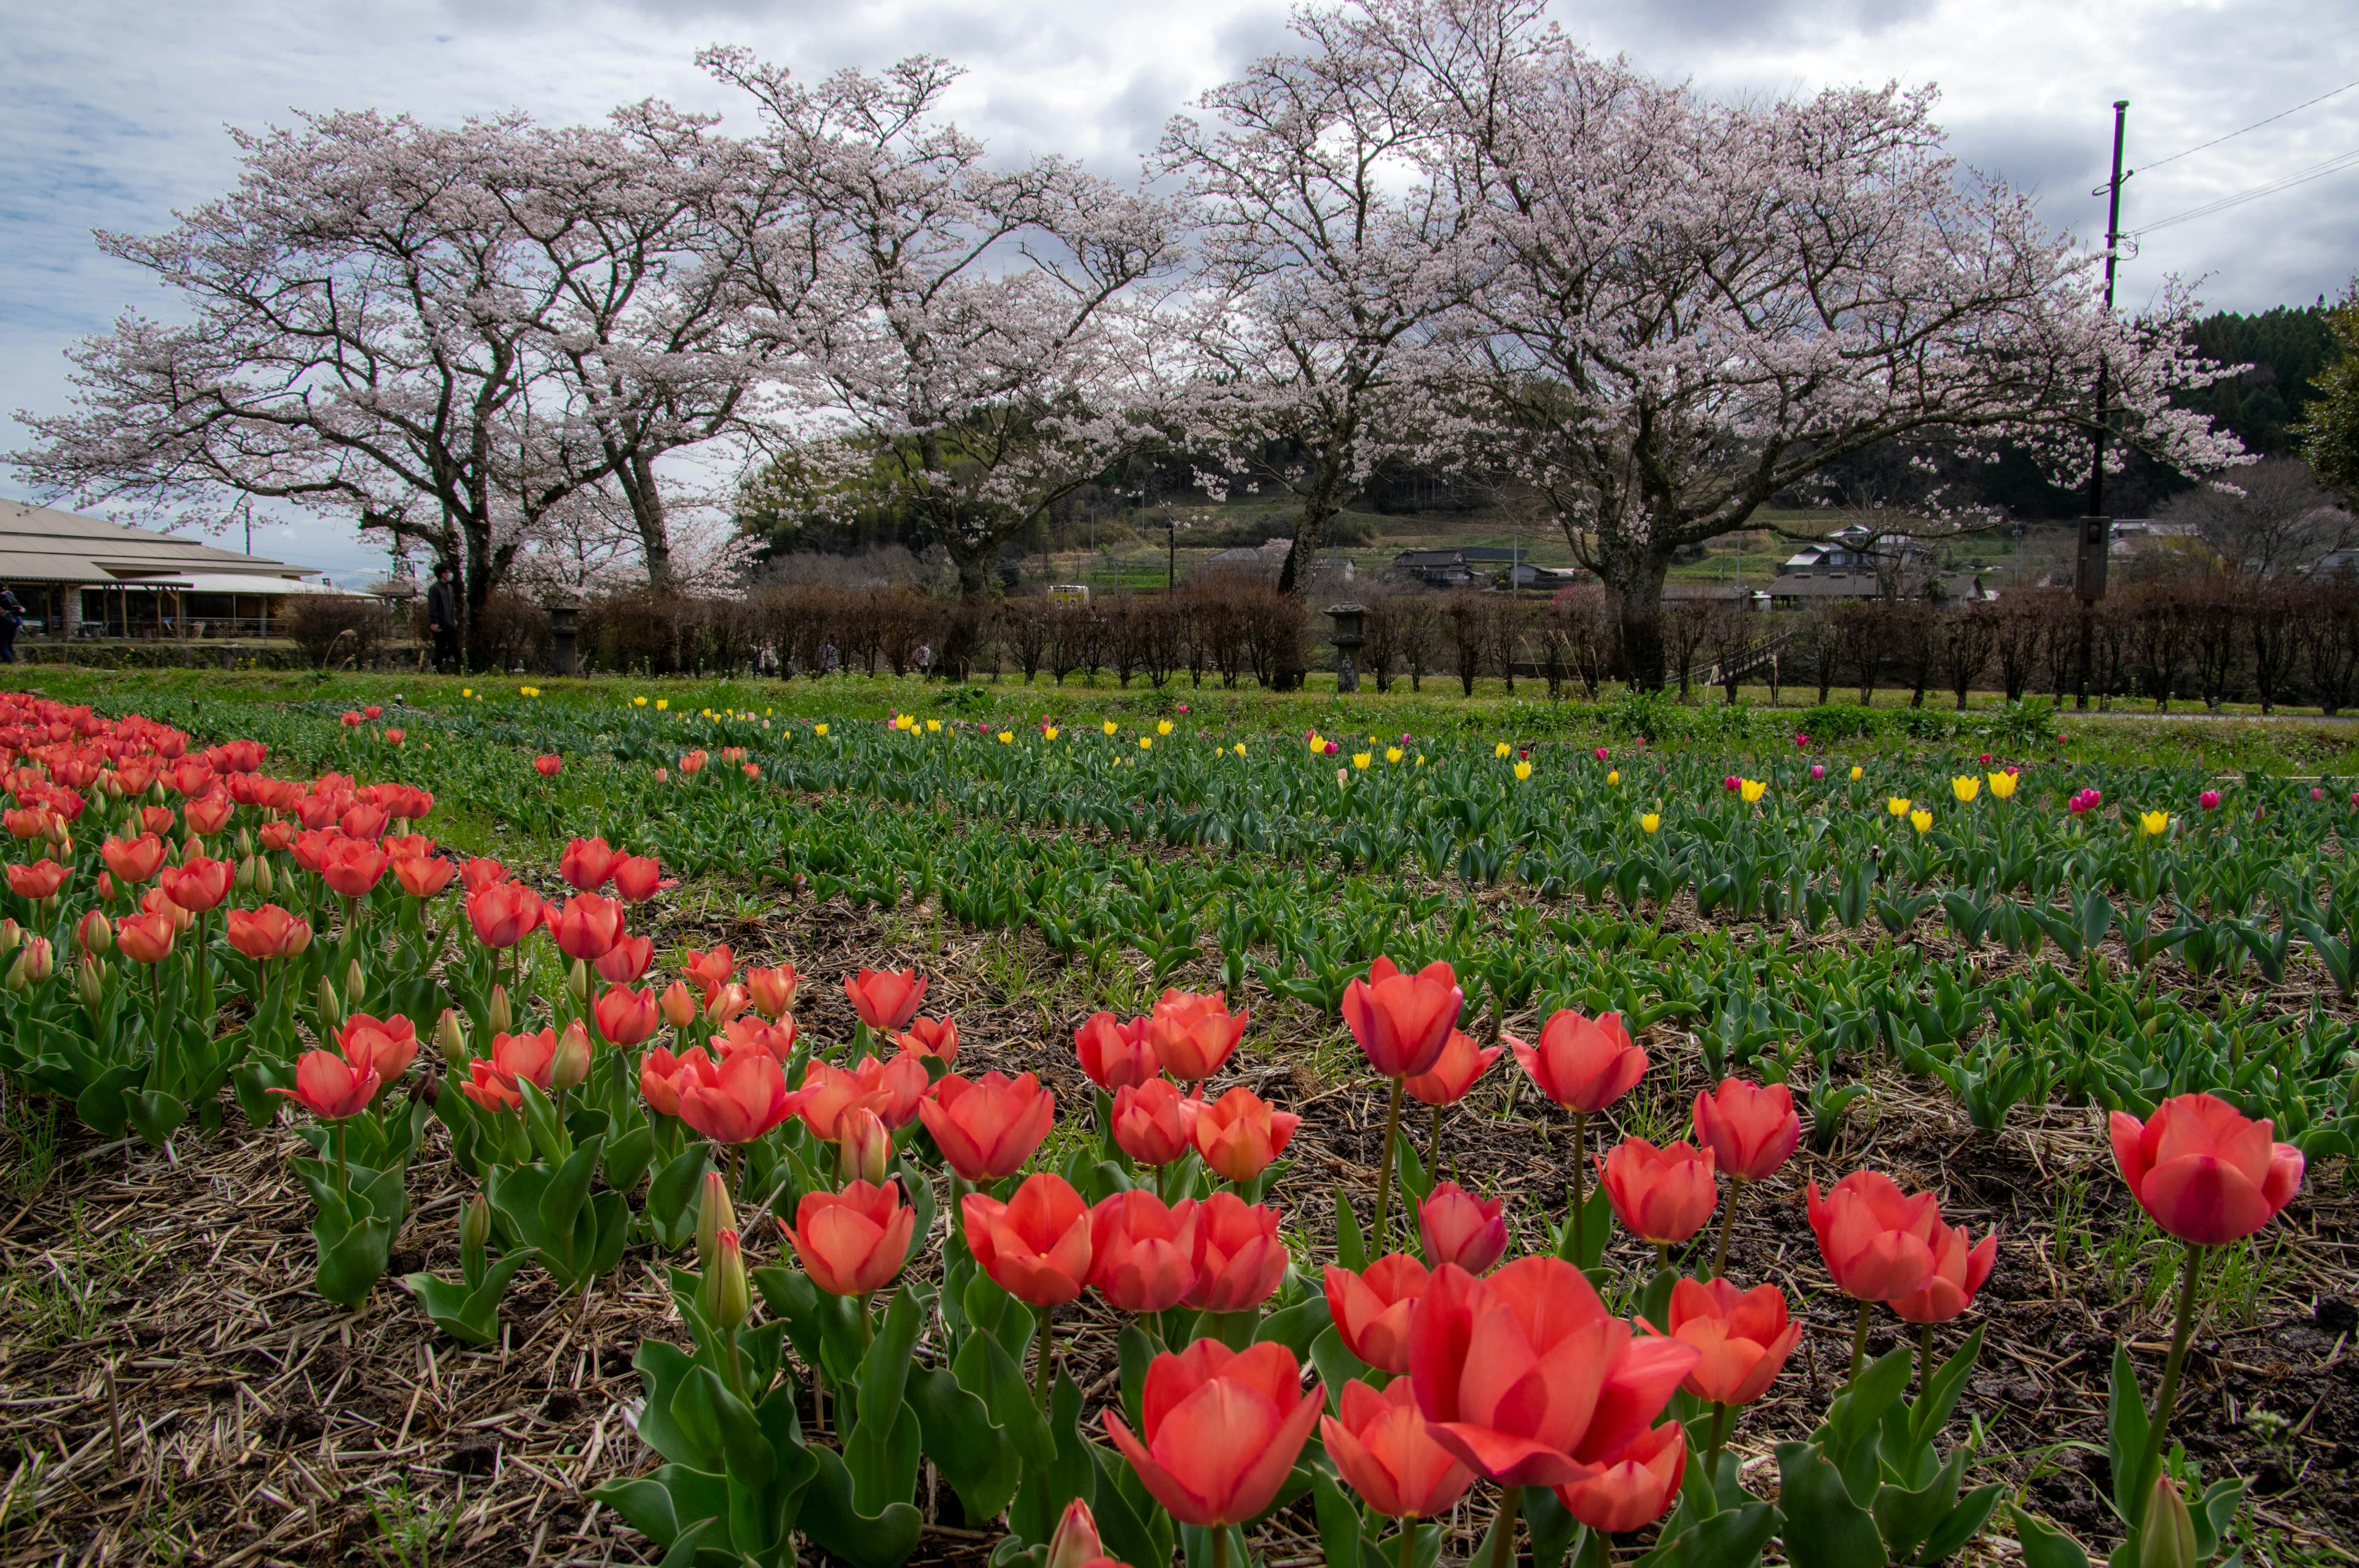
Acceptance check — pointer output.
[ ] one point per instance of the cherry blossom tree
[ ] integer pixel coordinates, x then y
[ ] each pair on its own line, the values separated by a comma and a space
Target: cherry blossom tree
988, 339
1698, 305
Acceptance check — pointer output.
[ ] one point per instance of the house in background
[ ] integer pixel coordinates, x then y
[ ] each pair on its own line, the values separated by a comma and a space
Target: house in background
85, 576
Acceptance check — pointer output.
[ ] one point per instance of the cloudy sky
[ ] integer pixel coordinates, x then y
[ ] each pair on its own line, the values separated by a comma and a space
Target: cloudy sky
112, 111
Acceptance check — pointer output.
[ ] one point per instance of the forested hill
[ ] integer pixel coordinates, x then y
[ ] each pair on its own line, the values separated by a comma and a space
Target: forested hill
2286, 347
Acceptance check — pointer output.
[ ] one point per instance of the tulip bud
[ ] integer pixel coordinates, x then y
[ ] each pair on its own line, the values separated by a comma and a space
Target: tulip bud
11, 935
355, 983
502, 1020
33, 965
714, 1214
95, 935
246, 841
862, 1147
451, 1039
332, 1011
678, 1005
1076, 1543
577, 984
475, 1227
88, 985
571, 1063
724, 1297
192, 846
263, 882
2168, 1538
244, 880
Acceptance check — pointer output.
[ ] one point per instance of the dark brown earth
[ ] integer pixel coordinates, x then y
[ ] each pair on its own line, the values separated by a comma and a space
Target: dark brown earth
206, 1408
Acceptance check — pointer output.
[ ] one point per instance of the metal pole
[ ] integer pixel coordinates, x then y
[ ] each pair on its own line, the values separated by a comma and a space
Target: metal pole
2097, 443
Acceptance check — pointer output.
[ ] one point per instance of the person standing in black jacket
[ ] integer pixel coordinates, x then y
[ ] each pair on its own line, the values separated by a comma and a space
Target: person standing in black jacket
12, 616
442, 619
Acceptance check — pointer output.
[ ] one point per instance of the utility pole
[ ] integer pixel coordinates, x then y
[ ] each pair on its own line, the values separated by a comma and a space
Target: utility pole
2096, 528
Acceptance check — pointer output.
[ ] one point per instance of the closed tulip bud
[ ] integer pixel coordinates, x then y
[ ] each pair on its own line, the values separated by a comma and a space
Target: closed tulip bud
95, 935
330, 1010
571, 1063
497, 1014
862, 1147
2168, 1538
244, 880
577, 983
714, 1214
355, 983
264, 882
245, 843
1076, 1543
35, 964
474, 1224
11, 935
723, 1297
88, 986
678, 1005
450, 1037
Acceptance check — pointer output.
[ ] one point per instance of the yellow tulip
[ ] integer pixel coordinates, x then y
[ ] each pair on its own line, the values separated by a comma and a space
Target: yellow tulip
662, 703
469, 691
1965, 787
1501, 750
2153, 824
1111, 727
1855, 770
1007, 737
1920, 819
639, 702
1752, 789
1394, 753
1614, 775
1317, 742
1049, 732
1362, 759
819, 728
2002, 785
933, 726
1241, 748
1897, 804
1146, 742
1652, 820
1523, 770
1163, 727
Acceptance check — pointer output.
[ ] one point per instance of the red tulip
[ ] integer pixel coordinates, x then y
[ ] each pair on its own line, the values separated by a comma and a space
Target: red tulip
988, 1127
892, 1089
1455, 1227
481, 872
37, 881
1662, 1196
637, 878
1371, 1310
864, 1149
198, 883
1193, 1035
351, 867
930, 1037
529, 1058
586, 864
133, 860
361, 821
1583, 1064
626, 960
1222, 1429
1115, 1055
145, 938
209, 814
1750, 1130
773, 990
885, 1000
587, 927
269, 932
1036, 1246
1960, 1267
1526, 1378
662, 1076
1154, 1123
745, 1098
1876, 1240
853, 1242
1142, 1252
1387, 1455
2206, 1173
1634, 1485
723, 1003
624, 1016
1402, 1021
1239, 1135
504, 914
1454, 1071
678, 1005
1742, 1336
330, 1087
547, 767
710, 970
423, 876
753, 1035
1239, 1258
384, 1045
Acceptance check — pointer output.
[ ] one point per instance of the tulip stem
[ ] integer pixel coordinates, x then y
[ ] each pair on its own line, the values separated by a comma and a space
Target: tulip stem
1433, 1146
2191, 1271
1859, 1342
1580, 1186
1384, 1164
1727, 1221
1503, 1528
344, 1172
1040, 1354
1220, 1546
1408, 1532
1719, 1436
1924, 1359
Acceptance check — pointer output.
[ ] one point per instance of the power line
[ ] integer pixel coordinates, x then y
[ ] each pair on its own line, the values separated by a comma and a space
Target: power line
2302, 176
2254, 127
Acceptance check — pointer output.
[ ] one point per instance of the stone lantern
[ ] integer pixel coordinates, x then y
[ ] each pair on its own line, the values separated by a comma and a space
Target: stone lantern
1347, 641
564, 625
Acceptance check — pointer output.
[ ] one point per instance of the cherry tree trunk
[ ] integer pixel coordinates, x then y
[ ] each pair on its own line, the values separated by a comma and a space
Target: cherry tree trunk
1634, 594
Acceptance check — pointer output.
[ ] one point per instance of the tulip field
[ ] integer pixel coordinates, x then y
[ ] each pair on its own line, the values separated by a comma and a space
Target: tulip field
600, 1128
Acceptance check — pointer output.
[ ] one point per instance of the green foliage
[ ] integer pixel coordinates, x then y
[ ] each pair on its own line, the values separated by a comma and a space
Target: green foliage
2329, 435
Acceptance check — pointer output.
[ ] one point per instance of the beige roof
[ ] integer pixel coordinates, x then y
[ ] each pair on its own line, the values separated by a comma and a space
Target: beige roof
40, 544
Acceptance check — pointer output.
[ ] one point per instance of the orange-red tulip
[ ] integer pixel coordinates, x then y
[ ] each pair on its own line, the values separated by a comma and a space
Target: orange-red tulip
198, 883
624, 1016
753, 1035
423, 876
1583, 1064
1154, 1123
662, 1076
492, 1080
1371, 1310
678, 1005
1403, 1020
1634, 1485
362, 821
504, 914
1877, 1240
586, 864
1036, 1245
351, 867
934, 1037
548, 766
330, 1087
1960, 1267
133, 860
988, 1127
209, 814
587, 927
1386, 1454
1193, 1035
1142, 1251
93, 933
1239, 1134
384, 1045
1454, 1071
1525, 1378
269, 932
1453, 1225
37, 881
145, 938
891, 1089
708, 969
1221, 1429
1239, 1257
853, 1242
2205, 1172
885, 1000
746, 1099
1743, 1337
1662, 1196
637, 877
1115, 1055
1750, 1129
626, 960
773, 990
481, 872
725, 1003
